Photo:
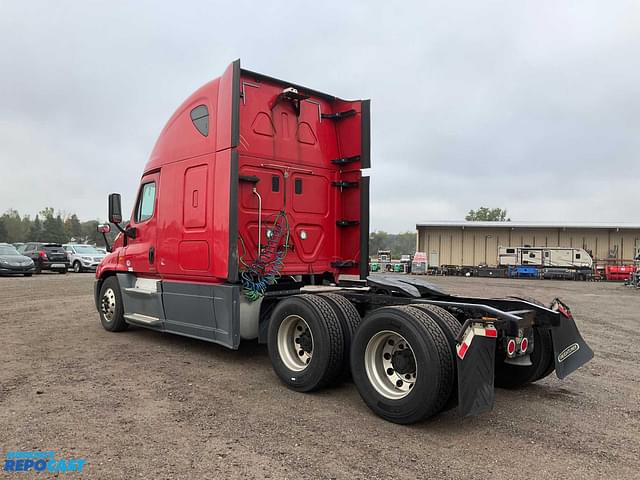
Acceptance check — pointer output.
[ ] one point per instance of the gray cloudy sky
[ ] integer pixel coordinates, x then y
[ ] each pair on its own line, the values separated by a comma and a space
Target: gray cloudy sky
533, 106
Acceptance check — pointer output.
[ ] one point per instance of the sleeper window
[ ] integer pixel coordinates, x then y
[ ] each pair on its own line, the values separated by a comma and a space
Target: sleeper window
200, 119
146, 202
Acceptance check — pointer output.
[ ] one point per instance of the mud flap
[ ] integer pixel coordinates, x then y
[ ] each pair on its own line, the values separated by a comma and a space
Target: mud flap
476, 366
570, 351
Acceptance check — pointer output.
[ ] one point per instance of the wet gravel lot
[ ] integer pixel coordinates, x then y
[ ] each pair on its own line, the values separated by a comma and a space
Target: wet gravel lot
141, 404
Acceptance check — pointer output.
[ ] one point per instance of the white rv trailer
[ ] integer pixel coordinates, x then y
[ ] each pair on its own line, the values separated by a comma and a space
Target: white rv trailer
564, 257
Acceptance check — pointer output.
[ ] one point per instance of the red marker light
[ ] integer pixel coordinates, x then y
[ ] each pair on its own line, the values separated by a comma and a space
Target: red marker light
491, 332
511, 347
524, 344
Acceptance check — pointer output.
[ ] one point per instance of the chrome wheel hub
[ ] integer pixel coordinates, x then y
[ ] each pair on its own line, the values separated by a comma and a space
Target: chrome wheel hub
108, 304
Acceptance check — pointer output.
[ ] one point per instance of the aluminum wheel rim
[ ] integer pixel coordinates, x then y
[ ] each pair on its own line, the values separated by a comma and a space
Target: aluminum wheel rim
378, 362
108, 304
293, 333
76, 267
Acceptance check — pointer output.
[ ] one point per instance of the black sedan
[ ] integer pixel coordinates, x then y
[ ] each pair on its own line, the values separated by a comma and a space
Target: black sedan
13, 262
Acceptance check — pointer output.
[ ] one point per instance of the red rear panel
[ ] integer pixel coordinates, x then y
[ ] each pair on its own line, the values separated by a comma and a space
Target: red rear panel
302, 152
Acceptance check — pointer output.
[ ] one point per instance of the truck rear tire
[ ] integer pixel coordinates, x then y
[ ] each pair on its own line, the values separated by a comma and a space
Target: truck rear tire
110, 306
349, 321
551, 365
402, 364
451, 327
513, 376
305, 342
550, 361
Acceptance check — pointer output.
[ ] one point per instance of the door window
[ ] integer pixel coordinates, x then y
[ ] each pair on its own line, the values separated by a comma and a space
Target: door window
146, 202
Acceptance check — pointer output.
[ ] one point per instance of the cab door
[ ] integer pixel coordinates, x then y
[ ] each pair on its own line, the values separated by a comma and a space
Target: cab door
140, 253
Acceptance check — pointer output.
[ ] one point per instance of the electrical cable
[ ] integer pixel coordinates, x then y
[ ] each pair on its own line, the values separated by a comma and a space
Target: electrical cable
265, 269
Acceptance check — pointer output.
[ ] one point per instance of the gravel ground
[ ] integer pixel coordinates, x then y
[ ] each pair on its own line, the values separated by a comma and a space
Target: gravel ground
141, 404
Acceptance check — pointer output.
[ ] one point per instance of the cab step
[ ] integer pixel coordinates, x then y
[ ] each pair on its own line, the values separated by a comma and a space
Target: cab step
140, 319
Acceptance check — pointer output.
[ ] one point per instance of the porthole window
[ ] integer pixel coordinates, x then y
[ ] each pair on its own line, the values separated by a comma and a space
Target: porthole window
200, 119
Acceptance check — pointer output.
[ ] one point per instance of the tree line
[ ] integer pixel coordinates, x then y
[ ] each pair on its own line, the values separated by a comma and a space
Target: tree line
487, 214
398, 243
48, 226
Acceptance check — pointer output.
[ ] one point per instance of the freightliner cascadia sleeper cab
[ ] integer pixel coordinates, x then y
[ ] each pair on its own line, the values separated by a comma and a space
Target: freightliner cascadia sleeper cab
251, 212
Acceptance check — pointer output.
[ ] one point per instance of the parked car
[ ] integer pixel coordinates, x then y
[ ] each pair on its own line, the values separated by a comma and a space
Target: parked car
83, 258
47, 256
13, 262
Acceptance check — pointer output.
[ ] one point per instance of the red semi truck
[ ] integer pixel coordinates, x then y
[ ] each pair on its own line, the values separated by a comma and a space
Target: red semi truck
251, 213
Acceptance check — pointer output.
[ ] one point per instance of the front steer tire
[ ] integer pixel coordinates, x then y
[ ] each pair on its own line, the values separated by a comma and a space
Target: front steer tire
305, 343
110, 306
429, 366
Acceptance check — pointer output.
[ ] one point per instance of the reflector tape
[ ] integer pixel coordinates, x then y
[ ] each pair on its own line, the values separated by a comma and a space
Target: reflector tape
462, 349
479, 329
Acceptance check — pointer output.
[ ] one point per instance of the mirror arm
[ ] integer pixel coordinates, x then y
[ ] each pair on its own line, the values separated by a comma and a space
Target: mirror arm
127, 232
106, 242
117, 225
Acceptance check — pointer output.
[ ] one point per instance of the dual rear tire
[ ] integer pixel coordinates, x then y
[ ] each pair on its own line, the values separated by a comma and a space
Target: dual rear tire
402, 363
400, 357
306, 344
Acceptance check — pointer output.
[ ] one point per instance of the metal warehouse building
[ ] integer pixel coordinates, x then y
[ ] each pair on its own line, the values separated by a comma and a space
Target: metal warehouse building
476, 243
